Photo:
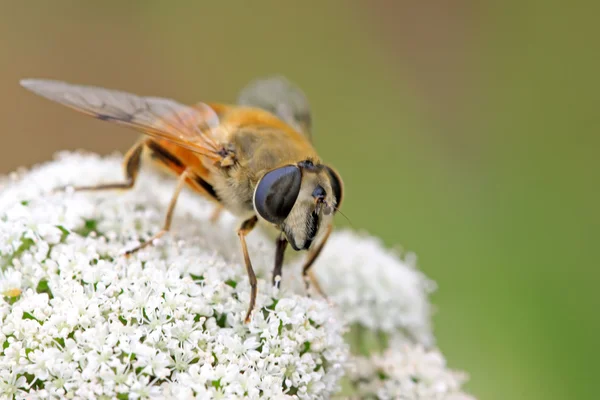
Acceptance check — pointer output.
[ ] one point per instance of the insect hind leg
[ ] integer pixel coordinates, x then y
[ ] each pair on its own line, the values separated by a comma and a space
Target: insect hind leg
131, 165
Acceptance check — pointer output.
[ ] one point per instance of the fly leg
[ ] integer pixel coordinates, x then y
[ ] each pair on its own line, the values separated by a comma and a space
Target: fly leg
169, 217
280, 247
131, 165
307, 274
243, 231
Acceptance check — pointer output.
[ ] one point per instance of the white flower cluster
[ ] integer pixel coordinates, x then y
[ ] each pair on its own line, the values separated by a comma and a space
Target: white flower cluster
408, 372
77, 319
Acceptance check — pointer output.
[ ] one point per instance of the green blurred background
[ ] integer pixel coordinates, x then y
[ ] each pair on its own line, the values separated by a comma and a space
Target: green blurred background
466, 132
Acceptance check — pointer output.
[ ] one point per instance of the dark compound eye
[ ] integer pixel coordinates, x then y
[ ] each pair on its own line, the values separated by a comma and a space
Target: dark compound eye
336, 185
276, 193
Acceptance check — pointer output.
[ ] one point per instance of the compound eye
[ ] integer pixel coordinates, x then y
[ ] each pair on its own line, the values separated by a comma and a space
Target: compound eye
336, 185
276, 193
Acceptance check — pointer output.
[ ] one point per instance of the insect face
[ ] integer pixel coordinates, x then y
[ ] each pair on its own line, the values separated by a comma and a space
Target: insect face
300, 200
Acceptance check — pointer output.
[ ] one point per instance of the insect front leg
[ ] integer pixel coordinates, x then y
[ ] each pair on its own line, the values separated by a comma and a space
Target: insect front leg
244, 230
308, 275
131, 165
169, 217
280, 247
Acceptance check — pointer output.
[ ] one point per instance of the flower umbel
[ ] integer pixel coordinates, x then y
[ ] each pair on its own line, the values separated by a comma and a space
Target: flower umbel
80, 320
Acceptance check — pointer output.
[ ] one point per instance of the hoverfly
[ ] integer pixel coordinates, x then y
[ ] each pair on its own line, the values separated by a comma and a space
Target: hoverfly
254, 159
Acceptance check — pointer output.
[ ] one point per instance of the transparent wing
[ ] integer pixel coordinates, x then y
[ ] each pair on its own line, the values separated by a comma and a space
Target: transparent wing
280, 97
188, 126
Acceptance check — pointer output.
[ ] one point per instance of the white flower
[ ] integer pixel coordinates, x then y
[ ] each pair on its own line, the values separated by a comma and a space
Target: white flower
11, 383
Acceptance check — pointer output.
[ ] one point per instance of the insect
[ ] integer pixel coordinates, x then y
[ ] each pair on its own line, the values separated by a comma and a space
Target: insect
254, 159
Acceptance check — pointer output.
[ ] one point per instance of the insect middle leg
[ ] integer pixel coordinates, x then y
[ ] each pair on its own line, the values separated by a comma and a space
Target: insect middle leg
131, 164
307, 274
243, 231
181, 181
